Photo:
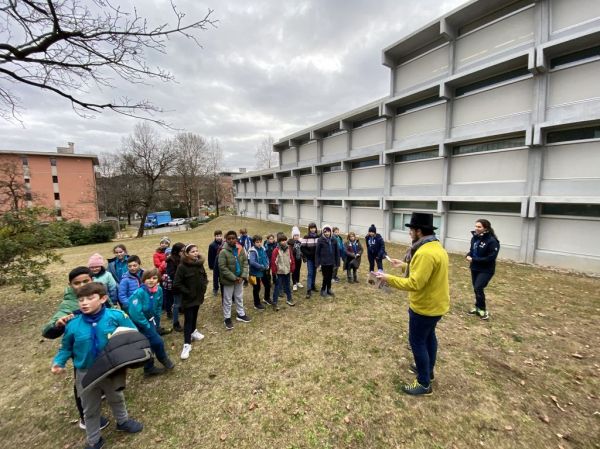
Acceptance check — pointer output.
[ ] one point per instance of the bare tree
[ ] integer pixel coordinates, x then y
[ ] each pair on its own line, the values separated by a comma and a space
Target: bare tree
214, 163
12, 187
190, 166
265, 156
148, 158
62, 46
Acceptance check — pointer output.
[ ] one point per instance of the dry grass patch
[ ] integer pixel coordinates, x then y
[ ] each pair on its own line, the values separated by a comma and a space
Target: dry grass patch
326, 373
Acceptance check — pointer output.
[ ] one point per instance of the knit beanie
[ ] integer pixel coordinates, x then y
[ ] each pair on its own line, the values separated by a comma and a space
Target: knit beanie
326, 227
96, 260
372, 228
165, 240
295, 231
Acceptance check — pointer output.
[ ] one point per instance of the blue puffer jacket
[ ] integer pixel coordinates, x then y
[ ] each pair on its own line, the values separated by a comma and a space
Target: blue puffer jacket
77, 343
129, 284
484, 251
375, 246
257, 258
145, 307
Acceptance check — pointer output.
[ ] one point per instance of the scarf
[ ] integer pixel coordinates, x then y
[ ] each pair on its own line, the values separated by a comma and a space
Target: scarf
92, 320
413, 249
238, 268
354, 246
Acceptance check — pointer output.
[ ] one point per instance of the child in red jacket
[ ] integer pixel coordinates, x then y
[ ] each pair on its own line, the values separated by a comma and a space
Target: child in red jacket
160, 255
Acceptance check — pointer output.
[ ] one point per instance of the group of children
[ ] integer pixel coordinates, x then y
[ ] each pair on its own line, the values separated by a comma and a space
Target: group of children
100, 299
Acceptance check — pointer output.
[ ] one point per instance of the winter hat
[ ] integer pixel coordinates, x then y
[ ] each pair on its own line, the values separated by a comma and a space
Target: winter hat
372, 228
326, 227
165, 240
96, 260
295, 231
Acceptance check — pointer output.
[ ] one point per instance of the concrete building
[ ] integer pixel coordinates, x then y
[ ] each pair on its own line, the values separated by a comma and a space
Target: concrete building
493, 112
63, 181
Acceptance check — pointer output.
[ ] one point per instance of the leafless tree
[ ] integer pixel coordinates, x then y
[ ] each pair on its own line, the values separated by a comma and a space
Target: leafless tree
212, 177
265, 156
63, 46
12, 187
190, 166
148, 158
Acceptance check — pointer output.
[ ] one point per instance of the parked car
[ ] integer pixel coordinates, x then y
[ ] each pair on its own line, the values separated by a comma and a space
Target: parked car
177, 222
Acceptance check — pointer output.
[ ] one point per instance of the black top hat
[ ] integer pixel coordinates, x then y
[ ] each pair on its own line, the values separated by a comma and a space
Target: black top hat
419, 220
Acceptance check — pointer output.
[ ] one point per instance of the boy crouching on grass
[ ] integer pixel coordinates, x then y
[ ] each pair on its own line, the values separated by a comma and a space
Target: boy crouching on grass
86, 335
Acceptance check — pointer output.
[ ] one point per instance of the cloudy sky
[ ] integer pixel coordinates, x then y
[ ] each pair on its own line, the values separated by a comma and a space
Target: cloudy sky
270, 67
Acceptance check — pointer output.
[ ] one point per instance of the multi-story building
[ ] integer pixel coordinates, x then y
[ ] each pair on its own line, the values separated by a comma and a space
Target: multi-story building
493, 112
62, 181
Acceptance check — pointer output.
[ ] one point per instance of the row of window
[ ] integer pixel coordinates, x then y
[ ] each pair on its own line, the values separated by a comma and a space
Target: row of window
407, 207
25, 161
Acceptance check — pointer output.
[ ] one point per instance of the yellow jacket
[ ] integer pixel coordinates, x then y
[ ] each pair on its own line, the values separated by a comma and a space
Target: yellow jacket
427, 283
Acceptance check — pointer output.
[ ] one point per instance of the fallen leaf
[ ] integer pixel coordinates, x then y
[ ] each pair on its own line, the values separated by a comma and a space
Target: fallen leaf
347, 419
544, 418
223, 437
252, 406
508, 428
577, 355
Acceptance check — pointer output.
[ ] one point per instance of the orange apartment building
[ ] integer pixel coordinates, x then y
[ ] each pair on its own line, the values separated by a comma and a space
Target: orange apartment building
63, 181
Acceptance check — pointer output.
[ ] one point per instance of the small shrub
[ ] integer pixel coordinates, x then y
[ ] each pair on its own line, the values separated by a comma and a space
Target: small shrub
101, 233
194, 224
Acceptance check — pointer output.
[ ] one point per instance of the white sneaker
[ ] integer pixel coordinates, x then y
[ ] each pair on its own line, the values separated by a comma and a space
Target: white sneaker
295, 287
300, 285
186, 351
197, 336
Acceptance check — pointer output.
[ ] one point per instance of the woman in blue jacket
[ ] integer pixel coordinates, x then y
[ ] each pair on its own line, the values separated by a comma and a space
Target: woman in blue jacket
482, 257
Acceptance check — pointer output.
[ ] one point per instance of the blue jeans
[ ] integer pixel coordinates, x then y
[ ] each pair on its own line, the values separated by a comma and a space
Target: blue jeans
312, 274
176, 305
215, 280
282, 282
157, 345
423, 342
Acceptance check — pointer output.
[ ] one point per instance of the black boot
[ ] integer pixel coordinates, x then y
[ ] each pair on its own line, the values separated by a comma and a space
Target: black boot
167, 363
153, 371
177, 327
350, 279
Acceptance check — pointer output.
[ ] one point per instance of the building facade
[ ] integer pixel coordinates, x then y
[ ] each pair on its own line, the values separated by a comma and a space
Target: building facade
493, 112
62, 181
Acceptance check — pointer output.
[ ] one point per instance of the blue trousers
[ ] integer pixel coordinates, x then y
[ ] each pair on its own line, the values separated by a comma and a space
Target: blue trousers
157, 345
311, 274
282, 282
423, 342
215, 280
480, 281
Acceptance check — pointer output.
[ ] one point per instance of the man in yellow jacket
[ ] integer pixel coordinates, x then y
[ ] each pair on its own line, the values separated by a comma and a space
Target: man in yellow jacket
426, 280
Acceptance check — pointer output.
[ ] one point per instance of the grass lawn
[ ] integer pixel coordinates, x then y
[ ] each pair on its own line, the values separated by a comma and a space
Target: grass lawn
327, 373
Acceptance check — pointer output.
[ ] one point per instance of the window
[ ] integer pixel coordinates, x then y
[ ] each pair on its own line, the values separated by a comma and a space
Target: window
56, 196
472, 206
27, 179
330, 168
577, 210
55, 179
331, 132
417, 104
512, 142
28, 196
365, 203
498, 14
24, 160
306, 202
491, 81
303, 172
581, 55
273, 209
401, 218
53, 161
365, 121
567, 135
365, 163
414, 205
417, 155
331, 202
58, 212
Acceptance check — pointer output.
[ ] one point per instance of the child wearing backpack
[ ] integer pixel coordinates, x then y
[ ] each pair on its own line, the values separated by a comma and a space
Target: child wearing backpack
86, 335
258, 263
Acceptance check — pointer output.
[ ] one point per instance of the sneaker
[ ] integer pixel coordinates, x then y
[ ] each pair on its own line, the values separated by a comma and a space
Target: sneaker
300, 285
197, 336
177, 327
307, 295
215, 293
153, 371
98, 445
413, 369
130, 426
416, 389
323, 293
243, 318
295, 287
483, 314
275, 307
228, 324
259, 306
167, 363
330, 293
185, 353
290, 303
268, 301
104, 422
474, 311
336, 280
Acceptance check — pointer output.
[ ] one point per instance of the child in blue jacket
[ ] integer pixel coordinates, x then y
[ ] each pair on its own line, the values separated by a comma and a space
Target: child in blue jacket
213, 253
259, 264
131, 281
375, 249
145, 308
86, 335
